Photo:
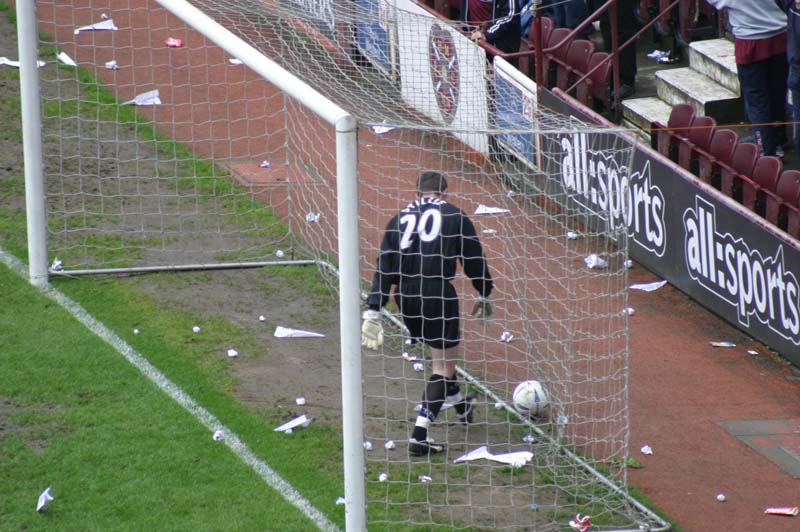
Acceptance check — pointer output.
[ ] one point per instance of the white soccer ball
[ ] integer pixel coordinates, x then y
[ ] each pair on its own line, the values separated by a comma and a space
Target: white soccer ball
530, 398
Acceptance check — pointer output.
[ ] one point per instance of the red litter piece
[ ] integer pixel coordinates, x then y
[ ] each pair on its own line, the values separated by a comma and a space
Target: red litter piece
172, 42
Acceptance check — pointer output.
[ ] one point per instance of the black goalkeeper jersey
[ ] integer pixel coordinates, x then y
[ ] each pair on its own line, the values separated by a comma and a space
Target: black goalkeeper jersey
422, 244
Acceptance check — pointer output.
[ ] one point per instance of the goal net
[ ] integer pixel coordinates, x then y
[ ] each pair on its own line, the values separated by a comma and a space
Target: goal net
164, 151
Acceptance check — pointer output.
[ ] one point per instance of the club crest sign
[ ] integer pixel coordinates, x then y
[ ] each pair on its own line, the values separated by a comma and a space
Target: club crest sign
444, 71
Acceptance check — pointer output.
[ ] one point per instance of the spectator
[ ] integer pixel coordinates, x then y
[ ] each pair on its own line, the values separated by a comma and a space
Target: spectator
792, 9
494, 21
627, 26
759, 38
568, 14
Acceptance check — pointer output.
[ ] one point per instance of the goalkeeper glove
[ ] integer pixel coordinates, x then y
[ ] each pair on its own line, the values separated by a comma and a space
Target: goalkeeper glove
483, 308
371, 329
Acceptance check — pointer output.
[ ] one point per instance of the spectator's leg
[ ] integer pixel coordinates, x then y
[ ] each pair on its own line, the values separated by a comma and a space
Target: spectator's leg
794, 86
753, 80
779, 72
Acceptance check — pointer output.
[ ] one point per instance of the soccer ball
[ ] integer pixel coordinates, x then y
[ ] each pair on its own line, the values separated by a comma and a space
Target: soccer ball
530, 398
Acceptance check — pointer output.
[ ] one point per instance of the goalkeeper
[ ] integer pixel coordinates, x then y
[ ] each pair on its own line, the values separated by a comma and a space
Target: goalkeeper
418, 255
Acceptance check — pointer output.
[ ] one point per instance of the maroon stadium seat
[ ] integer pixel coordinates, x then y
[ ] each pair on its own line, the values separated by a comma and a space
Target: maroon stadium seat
765, 175
744, 159
720, 153
575, 63
699, 140
680, 118
595, 91
786, 191
557, 46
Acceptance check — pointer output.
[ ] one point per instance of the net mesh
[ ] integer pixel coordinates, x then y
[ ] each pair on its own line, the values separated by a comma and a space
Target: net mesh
224, 168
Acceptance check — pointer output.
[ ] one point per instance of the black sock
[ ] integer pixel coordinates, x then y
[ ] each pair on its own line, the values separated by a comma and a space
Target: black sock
454, 395
432, 400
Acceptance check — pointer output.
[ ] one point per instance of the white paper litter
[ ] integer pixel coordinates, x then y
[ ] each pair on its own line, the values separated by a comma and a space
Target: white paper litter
145, 98
628, 311
235, 61
340, 501
312, 217
262, 318
107, 24
367, 445
57, 265
299, 421
112, 65
752, 352
390, 444
528, 438
418, 366
380, 130
300, 400
628, 263
66, 59
483, 209
648, 287
490, 231
280, 253
15, 64
425, 479
498, 405
136, 331
408, 356
594, 261
44, 499
515, 458
264, 164
233, 353
646, 449
383, 477
506, 337
218, 435
655, 54
572, 235
196, 329
286, 332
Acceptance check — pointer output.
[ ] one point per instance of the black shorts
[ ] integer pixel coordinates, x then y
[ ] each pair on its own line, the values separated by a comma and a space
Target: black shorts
430, 311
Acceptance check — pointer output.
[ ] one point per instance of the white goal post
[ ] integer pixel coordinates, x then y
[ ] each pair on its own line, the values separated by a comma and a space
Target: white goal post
209, 134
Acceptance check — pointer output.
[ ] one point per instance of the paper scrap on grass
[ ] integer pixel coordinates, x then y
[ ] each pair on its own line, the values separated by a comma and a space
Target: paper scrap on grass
515, 458
483, 209
340, 501
218, 435
145, 98
594, 261
66, 59
44, 499
15, 64
381, 129
286, 332
299, 421
57, 265
107, 24
648, 287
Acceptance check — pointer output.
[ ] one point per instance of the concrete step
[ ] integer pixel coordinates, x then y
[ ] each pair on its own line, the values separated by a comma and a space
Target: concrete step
642, 136
642, 112
715, 58
685, 85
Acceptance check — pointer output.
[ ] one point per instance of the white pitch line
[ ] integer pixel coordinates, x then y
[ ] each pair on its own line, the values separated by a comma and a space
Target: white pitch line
239, 448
